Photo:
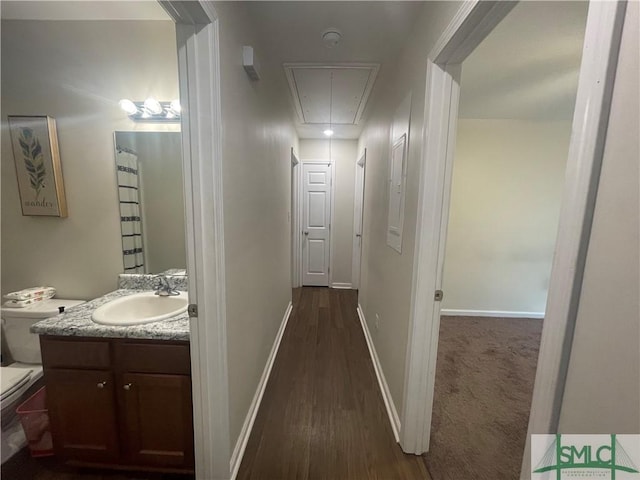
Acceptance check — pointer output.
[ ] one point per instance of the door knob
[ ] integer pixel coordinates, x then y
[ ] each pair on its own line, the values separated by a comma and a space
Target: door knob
101, 384
358, 235
306, 233
127, 386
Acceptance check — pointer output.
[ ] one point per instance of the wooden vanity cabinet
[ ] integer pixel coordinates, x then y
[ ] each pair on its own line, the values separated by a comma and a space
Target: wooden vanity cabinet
83, 416
124, 403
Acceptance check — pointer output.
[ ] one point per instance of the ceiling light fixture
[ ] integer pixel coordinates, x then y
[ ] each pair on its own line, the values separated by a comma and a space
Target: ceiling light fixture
331, 37
328, 132
152, 110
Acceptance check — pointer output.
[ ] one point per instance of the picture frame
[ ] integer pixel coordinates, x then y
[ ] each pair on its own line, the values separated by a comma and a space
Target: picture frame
38, 169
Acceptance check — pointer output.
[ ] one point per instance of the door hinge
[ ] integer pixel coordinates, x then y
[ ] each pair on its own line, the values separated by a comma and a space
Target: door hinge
438, 295
193, 310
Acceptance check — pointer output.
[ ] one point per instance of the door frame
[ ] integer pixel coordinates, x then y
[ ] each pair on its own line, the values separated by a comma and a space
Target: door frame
356, 253
472, 23
198, 45
298, 215
296, 268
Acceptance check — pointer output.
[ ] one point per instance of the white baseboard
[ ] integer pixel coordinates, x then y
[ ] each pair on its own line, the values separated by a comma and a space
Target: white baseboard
394, 419
491, 313
241, 444
343, 286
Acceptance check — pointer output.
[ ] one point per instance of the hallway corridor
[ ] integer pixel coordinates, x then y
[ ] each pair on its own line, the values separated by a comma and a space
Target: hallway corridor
322, 415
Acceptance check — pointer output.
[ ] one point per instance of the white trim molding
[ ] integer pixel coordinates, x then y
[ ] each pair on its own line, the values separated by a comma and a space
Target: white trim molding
490, 313
358, 219
197, 33
341, 286
394, 418
296, 247
245, 433
603, 34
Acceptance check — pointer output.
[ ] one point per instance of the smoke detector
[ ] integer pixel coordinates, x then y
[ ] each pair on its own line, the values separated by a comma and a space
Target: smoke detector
331, 37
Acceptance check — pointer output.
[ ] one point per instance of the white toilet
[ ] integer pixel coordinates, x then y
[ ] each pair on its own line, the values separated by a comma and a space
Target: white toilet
22, 378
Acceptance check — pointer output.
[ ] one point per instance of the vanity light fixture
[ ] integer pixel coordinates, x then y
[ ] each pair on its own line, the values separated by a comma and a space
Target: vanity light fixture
128, 106
175, 106
152, 110
153, 106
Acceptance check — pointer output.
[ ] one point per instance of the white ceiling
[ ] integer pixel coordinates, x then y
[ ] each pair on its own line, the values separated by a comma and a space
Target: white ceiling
527, 68
372, 32
318, 103
83, 10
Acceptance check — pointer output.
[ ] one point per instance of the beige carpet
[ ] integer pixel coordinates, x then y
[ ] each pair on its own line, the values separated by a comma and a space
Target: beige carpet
484, 380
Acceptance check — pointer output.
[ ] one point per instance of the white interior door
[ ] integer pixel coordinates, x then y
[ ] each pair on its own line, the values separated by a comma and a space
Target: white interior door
357, 221
316, 223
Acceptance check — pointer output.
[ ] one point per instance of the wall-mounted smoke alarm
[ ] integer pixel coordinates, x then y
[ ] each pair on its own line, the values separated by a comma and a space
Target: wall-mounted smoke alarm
249, 63
331, 37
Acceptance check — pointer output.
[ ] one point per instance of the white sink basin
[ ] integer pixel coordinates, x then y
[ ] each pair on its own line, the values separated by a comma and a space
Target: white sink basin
139, 308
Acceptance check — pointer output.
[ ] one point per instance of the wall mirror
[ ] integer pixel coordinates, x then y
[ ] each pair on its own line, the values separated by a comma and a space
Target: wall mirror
150, 192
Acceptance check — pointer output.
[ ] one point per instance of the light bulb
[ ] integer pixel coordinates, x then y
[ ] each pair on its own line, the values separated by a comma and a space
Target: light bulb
328, 132
153, 106
175, 106
128, 106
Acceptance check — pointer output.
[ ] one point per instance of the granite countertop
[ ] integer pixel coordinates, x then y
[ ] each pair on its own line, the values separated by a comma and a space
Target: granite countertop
76, 322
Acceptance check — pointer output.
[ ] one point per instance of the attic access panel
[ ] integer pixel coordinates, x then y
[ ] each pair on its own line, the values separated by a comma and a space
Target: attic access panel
311, 88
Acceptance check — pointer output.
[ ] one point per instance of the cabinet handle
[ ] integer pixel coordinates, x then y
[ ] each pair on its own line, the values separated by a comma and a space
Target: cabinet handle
101, 384
127, 386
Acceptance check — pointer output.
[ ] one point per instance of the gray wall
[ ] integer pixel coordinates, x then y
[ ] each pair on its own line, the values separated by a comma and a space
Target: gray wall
76, 72
508, 177
258, 134
386, 275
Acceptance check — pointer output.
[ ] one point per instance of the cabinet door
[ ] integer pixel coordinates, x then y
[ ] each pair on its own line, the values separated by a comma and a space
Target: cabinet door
158, 419
81, 407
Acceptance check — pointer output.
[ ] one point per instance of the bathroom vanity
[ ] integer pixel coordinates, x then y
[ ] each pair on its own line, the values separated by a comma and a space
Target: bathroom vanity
118, 396
119, 401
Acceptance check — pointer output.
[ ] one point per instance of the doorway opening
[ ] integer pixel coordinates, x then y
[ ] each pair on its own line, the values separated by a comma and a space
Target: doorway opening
593, 100
358, 213
294, 220
517, 100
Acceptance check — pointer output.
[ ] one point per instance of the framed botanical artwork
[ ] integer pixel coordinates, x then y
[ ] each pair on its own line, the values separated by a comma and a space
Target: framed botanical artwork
37, 160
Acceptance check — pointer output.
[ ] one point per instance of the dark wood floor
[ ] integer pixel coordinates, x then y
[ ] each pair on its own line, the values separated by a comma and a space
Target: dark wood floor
322, 415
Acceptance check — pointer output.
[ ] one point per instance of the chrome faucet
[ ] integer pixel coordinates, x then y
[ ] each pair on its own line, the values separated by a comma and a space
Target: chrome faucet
164, 287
